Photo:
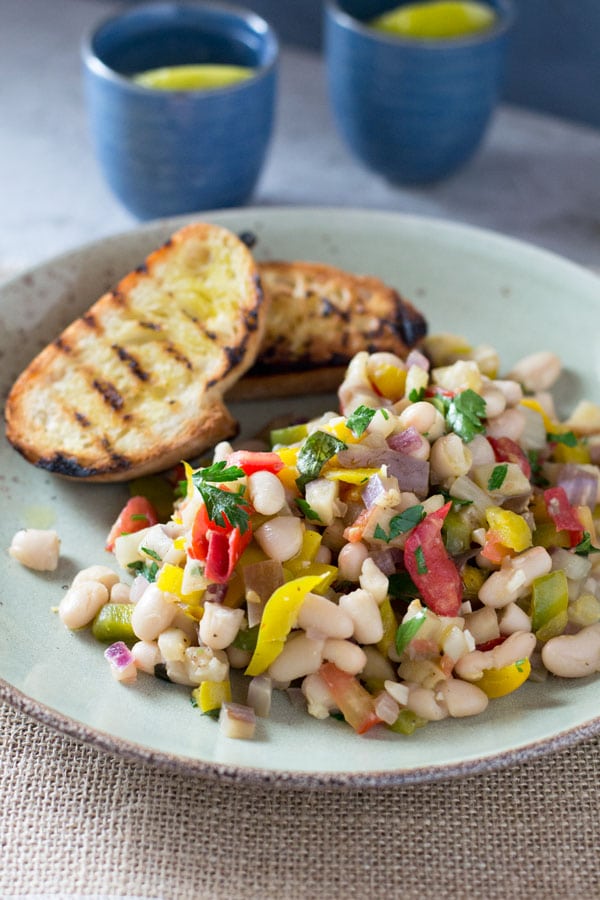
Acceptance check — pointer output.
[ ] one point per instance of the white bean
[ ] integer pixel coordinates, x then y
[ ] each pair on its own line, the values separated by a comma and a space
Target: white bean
172, 643
511, 424
519, 645
512, 390
573, 655
350, 560
423, 701
280, 537
346, 655
483, 624
102, 574
300, 656
267, 493
146, 655
512, 618
538, 371
482, 453
449, 457
363, 609
120, 593
373, 580
205, 664
82, 603
462, 699
36, 548
514, 577
219, 625
318, 696
152, 614
320, 615
423, 417
495, 401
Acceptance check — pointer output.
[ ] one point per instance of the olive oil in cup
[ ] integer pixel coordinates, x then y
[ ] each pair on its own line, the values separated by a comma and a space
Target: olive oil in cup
181, 105
436, 19
193, 77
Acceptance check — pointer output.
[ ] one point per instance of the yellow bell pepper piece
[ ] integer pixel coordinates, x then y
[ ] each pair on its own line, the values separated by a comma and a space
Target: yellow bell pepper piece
349, 476
389, 380
170, 579
499, 682
341, 431
289, 474
279, 617
510, 529
580, 453
302, 567
212, 695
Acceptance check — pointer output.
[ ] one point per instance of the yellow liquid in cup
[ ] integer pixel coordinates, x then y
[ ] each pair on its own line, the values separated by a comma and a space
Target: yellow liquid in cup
195, 77
438, 19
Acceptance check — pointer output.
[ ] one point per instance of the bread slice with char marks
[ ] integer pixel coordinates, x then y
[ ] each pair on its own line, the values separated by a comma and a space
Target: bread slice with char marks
136, 384
319, 317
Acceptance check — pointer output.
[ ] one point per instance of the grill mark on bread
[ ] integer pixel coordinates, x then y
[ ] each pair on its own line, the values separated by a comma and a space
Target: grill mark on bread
179, 355
62, 345
109, 393
82, 419
60, 464
130, 360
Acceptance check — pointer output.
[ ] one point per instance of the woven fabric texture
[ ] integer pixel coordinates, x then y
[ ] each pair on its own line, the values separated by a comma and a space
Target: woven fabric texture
74, 820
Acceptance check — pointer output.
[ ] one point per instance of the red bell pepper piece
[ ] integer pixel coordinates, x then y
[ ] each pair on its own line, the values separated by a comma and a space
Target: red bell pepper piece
251, 461
354, 702
138, 513
507, 450
219, 546
563, 515
431, 569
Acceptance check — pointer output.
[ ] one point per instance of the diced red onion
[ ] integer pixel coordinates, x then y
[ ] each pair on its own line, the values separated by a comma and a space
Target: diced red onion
385, 560
412, 474
405, 441
119, 655
216, 593
416, 358
372, 491
581, 485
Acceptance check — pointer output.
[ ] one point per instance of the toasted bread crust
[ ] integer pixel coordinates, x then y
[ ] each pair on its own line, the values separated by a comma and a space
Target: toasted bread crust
136, 384
321, 316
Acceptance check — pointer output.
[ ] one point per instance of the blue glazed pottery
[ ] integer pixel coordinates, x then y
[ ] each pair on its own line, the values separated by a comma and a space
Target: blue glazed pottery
166, 152
412, 110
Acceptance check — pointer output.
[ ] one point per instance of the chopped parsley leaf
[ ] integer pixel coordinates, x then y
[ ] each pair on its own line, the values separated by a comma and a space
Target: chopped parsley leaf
415, 396
420, 561
401, 523
568, 439
148, 570
497, 477
223, 507
317, 449
464, 414
306, 509
407, 630
360, 419
585, 545
151, 553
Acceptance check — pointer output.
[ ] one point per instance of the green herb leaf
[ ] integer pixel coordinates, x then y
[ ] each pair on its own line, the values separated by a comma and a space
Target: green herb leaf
212, 713
307, 510
148, 570
585, 546
464, 415
406, 632
496, 479
316, 450
140, 517
151, 553
420, 561
384, 413
401, 523
568, 439
401, 586
415, 396
223, 507
359, 421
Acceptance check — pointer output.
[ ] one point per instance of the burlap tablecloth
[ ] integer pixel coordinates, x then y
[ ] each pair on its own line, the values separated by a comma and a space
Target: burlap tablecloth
74, 820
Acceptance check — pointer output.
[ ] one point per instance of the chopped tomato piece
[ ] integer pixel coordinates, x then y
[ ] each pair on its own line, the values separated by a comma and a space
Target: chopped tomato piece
354, 702
353, 533
507, 450
431, 569
493, 549
563, 515
138, 513
251, 461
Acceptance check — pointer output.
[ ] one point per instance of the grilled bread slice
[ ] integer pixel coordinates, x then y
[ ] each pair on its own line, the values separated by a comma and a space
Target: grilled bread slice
136, 384
319, 317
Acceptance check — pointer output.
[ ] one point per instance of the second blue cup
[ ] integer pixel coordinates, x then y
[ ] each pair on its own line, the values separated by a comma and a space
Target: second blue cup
413, 110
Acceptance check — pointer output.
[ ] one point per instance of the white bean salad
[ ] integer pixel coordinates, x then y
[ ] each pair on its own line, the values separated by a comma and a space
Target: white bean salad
425, 550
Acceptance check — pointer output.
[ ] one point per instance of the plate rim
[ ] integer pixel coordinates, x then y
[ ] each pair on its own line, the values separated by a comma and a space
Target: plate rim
292, 778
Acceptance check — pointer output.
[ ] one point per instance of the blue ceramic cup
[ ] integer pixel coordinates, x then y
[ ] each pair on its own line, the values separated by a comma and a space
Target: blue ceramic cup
412, 110
166, 152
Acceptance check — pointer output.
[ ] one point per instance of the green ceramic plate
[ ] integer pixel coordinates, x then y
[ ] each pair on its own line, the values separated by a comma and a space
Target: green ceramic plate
471, 282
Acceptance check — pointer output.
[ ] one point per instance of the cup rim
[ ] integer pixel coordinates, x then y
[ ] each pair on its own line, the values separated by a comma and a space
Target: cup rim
506, 10
99, 68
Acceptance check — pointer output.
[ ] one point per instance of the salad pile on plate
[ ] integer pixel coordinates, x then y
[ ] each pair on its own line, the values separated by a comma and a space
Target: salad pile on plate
429, 547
